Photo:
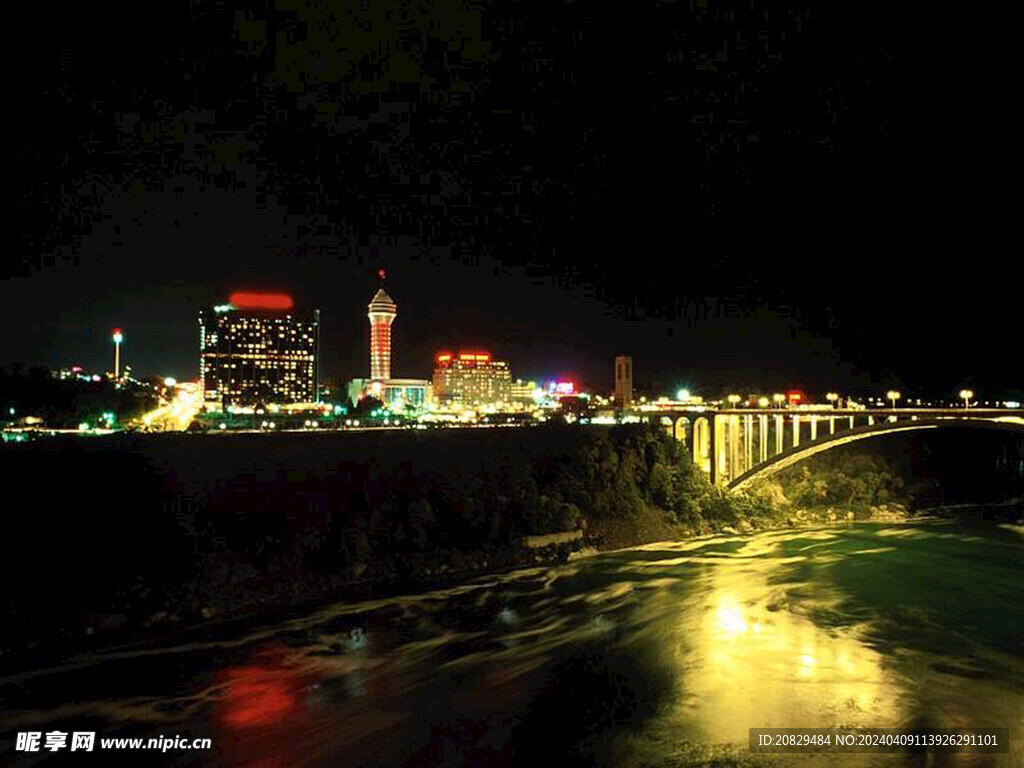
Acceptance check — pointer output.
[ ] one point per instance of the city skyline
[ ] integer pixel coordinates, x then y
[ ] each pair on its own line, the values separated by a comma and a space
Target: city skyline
555, 360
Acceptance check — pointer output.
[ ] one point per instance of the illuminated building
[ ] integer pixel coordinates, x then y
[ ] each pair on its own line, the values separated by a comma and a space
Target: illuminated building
256, 351
382, 313
623, 381
397, 394
522, 393
470, 379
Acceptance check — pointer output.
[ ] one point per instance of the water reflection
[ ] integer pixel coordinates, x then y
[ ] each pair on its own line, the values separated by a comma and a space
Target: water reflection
663, 655
750, 666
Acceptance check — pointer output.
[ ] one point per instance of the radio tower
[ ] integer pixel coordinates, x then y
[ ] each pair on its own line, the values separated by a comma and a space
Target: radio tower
382, 314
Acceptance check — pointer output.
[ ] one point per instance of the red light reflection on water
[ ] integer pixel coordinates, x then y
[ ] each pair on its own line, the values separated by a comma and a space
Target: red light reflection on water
260, 694
258, 697
261, 713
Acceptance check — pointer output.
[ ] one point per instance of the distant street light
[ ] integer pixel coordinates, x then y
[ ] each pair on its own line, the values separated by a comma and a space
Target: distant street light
892, 395
683, 394
966, 394
779, 399
832, 397
733, 399
762, 402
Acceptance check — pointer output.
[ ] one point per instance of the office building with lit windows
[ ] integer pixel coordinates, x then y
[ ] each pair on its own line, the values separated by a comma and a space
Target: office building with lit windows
256, 351
471, 380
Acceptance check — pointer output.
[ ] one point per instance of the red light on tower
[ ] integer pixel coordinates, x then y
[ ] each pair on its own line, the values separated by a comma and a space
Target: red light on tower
380, 273
243, 300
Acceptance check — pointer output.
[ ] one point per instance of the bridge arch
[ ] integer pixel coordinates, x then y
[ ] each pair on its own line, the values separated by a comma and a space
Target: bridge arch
800, 452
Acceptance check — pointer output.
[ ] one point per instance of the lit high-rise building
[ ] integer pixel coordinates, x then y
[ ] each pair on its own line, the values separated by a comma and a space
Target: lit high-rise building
382, 313
256, 350
471, 379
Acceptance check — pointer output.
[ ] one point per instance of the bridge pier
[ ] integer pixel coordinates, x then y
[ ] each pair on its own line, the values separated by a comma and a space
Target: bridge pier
720, 444
748, 442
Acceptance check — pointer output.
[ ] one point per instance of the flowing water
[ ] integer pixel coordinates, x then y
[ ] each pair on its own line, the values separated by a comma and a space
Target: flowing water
663, 655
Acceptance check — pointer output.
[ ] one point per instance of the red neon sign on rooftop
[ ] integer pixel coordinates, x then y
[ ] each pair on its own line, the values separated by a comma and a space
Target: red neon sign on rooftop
243, 300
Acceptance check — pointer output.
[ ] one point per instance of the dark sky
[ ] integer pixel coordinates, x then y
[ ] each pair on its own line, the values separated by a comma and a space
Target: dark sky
742, 195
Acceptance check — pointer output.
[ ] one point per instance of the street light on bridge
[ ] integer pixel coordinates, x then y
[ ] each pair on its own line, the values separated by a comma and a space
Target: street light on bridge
733, 399
832, 397
893, 395
762, 402
966, 394
779, 399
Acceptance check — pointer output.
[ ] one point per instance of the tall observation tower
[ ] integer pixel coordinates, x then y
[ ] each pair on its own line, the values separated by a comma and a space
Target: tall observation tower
383, 311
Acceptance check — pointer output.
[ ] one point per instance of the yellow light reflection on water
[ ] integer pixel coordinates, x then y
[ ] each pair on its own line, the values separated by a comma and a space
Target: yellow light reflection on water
752, 657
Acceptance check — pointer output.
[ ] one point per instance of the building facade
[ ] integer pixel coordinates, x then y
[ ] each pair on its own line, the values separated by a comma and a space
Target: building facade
524, 394
471, 380
256, 351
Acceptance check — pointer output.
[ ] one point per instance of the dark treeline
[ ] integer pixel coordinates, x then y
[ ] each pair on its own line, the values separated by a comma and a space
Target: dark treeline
66, 403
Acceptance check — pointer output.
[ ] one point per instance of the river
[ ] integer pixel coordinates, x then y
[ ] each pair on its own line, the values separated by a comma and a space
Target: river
662, 655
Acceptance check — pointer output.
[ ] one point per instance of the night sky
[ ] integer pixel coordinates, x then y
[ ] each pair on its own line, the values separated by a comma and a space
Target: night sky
744, 196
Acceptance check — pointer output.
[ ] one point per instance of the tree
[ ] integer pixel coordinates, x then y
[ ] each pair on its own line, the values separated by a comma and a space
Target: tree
366, 406
659, 485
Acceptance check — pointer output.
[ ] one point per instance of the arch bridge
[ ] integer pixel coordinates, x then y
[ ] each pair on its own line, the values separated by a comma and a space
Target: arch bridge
736, 446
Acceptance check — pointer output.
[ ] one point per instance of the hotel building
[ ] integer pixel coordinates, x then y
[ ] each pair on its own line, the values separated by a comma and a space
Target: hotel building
256, 350
470, 380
